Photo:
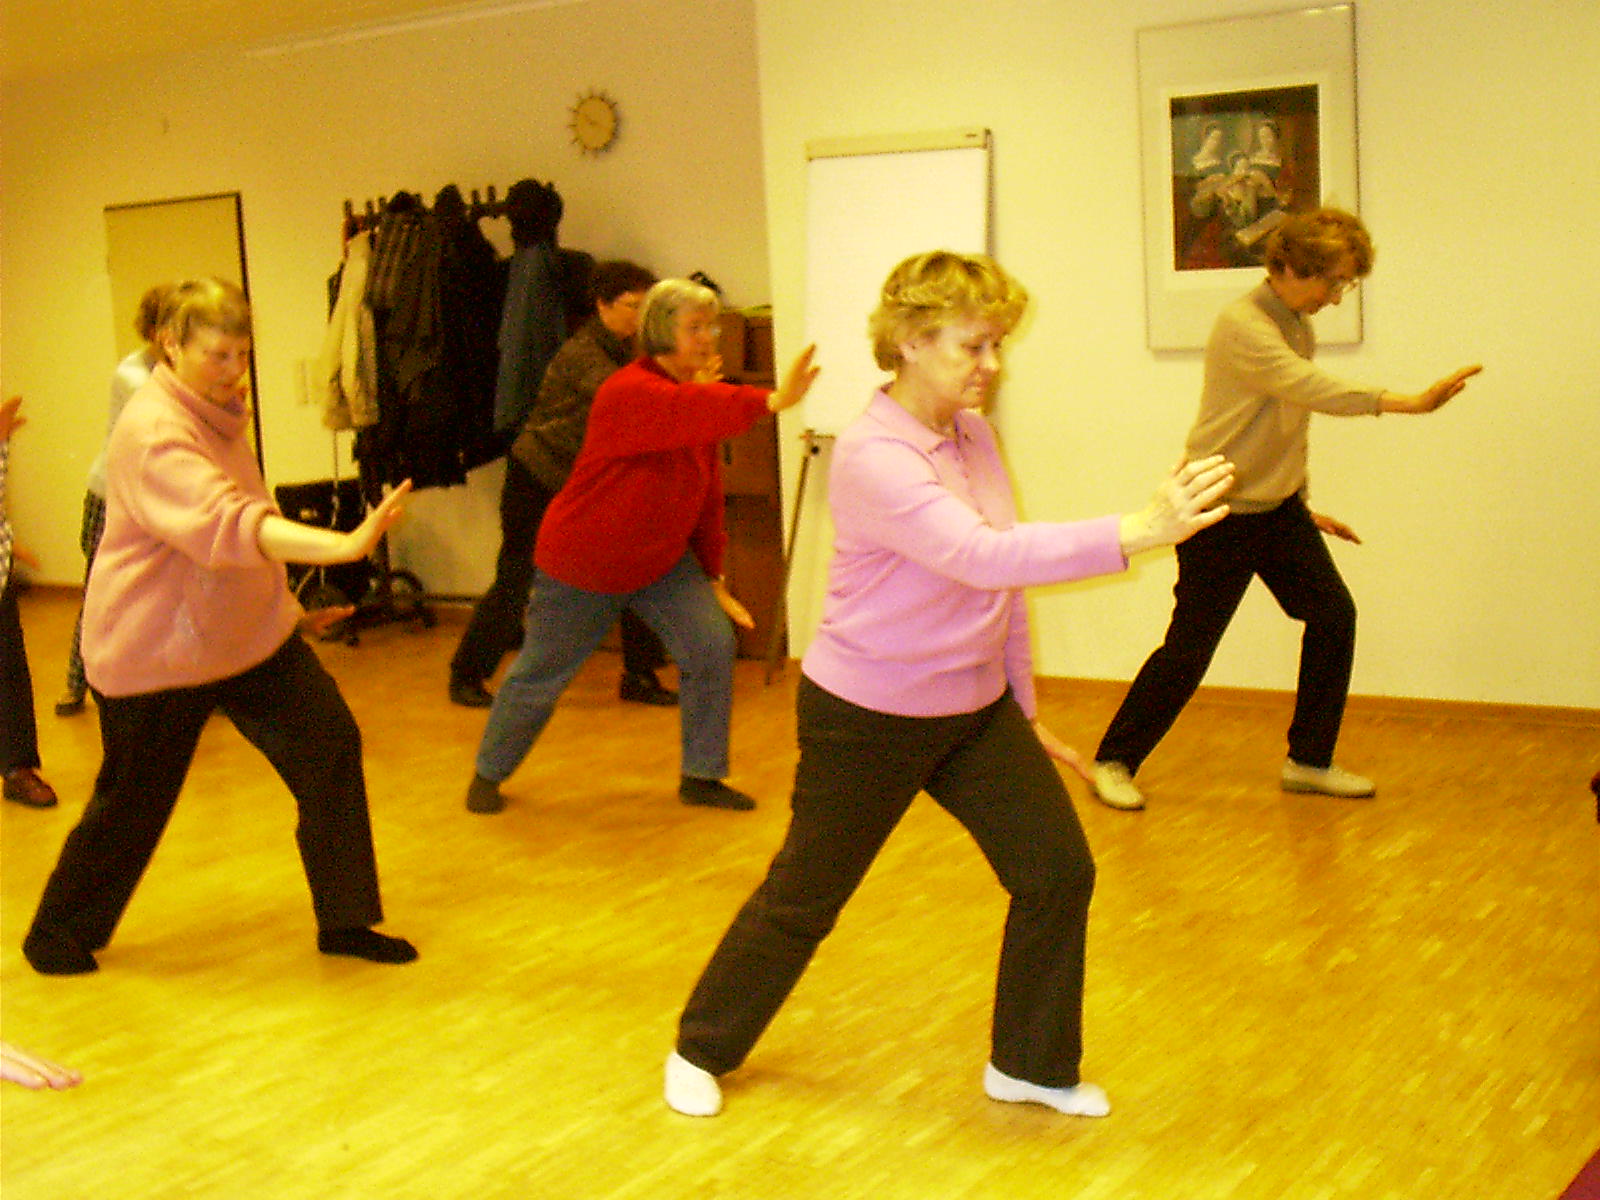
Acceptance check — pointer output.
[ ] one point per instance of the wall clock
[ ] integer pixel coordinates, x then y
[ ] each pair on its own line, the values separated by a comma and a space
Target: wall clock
594, 122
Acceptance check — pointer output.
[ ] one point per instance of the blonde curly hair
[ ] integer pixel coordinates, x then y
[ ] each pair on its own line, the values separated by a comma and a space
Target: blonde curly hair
930, 290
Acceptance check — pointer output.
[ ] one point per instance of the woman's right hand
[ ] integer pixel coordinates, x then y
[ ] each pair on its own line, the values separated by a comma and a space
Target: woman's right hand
1186, 502
797, 381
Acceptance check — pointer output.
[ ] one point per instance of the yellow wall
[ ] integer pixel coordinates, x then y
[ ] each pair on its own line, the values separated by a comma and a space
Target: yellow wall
480, 101
1479, 578
1479, 163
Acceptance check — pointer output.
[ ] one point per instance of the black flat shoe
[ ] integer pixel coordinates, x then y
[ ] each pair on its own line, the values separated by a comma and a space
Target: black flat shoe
483, 796
713, 793
53, 951
646, 689
25, 786
470, 695
365, 943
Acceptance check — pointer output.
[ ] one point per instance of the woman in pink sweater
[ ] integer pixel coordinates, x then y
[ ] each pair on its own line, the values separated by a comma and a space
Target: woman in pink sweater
187, 611
920, 679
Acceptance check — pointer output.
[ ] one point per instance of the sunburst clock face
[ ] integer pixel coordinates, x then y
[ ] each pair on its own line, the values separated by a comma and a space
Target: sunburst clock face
594, 122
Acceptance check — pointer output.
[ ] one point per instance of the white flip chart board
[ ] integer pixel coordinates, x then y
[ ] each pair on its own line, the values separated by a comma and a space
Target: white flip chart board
871, 202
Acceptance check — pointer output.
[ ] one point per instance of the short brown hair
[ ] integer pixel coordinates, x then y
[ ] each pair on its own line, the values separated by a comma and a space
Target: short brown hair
928, 291
208, 303
612, 279
1312, 243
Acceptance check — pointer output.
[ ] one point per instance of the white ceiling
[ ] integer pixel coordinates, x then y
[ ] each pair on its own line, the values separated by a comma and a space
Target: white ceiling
46, 37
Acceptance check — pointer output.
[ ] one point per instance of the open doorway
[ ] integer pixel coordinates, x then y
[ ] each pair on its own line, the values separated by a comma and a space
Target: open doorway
167, 240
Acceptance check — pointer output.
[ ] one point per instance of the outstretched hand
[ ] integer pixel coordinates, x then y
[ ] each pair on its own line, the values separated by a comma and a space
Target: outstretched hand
1187, 501
797, 381
1448, 388
379, 521
1432, 398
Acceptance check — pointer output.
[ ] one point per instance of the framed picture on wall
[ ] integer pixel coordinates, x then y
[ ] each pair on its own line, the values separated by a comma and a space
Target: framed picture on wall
1242, 122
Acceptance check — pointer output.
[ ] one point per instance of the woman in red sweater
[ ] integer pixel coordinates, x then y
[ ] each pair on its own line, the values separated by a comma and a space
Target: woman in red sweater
639, 525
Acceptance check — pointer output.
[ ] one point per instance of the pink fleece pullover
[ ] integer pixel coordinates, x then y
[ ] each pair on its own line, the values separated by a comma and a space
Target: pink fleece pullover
181, 593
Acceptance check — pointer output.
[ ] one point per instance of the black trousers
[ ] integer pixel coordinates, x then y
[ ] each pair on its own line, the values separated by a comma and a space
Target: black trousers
495, 628
1286, 549
19, 734
858, 772
290, 709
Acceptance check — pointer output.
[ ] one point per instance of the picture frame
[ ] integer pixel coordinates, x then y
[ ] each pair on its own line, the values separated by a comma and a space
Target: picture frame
1242, 121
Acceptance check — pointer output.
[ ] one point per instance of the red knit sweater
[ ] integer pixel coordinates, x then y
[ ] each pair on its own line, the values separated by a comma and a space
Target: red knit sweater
647, 484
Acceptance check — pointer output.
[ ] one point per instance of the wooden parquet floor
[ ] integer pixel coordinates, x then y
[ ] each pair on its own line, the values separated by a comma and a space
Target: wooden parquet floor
1290, 997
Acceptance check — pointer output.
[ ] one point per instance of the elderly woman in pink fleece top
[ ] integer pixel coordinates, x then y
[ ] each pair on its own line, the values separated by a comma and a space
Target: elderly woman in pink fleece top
188, 611
920, 679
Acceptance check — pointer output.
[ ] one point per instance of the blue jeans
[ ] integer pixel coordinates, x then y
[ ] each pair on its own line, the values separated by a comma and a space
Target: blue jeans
565, 624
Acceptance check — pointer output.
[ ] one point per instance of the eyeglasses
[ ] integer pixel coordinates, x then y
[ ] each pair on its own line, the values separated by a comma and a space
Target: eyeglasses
1338, 287
701, 329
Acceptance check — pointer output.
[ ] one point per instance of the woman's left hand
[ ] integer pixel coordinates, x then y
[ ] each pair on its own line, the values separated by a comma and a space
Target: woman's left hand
1063, 753
316, 622
737, 613
1334, 527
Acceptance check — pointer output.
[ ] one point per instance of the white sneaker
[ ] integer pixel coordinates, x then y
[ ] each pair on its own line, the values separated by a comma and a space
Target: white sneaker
1114, 786
1329, 781
691, 1091
1085, 1100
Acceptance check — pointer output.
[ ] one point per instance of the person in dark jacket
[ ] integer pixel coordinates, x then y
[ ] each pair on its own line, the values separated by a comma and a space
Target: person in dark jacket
539, 463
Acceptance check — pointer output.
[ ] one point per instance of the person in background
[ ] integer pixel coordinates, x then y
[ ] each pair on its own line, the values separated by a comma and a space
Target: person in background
638, 525
188, 611
920, 678
19, 733
16, 699
132, 373
1260, 391
542, 456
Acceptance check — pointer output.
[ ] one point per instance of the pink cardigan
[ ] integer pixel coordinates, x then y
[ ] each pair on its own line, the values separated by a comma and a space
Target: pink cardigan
181, 593
925, 614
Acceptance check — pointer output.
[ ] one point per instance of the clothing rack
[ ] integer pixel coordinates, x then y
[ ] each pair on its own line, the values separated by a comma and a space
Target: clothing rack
530, 206
478, 207
395, 596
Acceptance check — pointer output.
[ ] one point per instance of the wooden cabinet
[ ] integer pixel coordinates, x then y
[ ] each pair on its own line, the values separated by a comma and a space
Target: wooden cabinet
750, 480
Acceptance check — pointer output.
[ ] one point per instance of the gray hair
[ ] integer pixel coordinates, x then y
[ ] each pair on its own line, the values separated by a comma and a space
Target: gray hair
658, 322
